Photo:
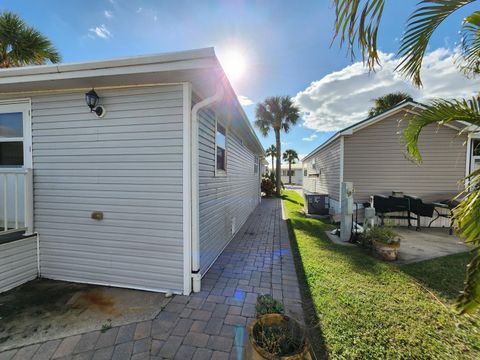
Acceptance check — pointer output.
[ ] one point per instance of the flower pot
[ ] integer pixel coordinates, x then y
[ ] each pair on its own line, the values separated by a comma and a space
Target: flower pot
254, 349
388, 252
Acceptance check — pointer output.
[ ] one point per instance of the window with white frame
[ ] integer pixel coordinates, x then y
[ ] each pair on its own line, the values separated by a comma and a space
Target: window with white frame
256, 165
221, 147
13, 147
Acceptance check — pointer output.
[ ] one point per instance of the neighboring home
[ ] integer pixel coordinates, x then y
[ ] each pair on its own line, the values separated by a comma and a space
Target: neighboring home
296, 172
144, 192
371, 154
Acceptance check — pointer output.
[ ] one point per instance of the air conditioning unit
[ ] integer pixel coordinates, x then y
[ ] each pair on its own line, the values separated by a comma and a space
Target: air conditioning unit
317, 204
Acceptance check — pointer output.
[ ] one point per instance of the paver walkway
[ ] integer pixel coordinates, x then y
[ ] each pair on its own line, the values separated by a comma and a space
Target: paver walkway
210, 324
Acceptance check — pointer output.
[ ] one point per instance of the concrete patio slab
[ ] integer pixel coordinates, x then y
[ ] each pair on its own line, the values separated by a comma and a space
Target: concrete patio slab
428, 243
210, 324
46, 309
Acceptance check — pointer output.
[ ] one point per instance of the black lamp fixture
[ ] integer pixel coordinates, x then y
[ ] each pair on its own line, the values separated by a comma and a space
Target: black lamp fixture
91, 98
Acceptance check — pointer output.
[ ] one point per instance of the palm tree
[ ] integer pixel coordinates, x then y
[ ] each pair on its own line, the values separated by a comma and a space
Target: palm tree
271, 151
386, 102
276, 113
22, 45
291, 156
357, 24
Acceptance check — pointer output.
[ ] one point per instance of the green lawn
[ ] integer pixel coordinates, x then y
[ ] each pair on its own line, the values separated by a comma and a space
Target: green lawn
368, 309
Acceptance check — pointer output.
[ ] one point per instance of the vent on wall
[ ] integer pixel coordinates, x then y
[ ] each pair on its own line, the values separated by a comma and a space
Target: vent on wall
234, 225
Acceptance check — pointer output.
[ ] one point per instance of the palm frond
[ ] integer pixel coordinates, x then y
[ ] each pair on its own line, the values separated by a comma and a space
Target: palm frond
21, 45
356, 24
467, 214
441, 112
420, 27
470, 45
465, 217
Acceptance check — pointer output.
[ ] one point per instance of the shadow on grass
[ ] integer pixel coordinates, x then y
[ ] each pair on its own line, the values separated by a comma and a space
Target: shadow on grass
443, 275
314, 330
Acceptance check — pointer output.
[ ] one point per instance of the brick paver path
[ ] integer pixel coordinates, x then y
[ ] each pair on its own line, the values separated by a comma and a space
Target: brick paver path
210, 324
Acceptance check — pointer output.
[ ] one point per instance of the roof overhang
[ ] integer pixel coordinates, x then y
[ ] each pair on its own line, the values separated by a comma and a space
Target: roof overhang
408, 106
199, 67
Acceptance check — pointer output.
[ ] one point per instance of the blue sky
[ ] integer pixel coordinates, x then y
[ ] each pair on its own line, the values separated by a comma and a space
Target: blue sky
284, 45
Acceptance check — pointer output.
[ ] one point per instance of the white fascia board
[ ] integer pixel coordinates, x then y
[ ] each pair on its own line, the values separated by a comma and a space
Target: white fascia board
104, 64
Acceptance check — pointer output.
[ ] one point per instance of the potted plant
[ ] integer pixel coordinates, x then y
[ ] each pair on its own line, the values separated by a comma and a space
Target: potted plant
384, 240
275, 336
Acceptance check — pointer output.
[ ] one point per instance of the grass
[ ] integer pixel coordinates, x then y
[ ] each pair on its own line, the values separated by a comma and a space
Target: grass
444, 275
368, 309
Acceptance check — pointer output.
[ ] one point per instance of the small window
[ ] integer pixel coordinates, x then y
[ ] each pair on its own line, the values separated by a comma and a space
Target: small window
476, 147
255, 165
305, 172
221, 140
11, 139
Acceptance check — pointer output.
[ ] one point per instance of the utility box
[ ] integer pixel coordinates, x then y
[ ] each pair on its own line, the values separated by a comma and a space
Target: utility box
317, 204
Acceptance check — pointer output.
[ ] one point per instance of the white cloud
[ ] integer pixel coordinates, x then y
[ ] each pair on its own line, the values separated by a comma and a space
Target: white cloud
343, 97
244, 100
101, 31
108, 14
310, 138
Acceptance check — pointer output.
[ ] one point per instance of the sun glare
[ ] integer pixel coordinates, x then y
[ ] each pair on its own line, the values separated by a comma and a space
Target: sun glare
234, 64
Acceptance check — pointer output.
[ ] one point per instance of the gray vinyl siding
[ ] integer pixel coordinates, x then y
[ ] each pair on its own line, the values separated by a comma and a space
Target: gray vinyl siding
327, 162
375, 161
18, 263
128, 165
223, 198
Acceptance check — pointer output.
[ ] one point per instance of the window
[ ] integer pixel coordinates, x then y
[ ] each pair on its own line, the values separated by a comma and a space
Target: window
221, 142
11, 139
255, 165
305, 172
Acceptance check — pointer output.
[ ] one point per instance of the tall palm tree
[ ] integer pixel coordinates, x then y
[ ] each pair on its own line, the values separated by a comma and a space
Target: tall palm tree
291, 156
271, 151
388, 101
21, 45
276, 113
357, 25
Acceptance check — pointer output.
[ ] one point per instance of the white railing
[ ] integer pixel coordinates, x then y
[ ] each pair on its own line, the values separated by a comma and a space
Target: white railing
16, 200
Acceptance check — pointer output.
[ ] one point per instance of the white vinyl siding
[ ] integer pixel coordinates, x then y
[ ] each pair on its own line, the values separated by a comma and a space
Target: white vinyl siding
327, 166
127, 165
225, 202
18, 263
376, 163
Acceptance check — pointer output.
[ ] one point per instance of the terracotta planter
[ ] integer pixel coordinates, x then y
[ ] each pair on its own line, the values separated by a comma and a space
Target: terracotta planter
388, 252
253, 350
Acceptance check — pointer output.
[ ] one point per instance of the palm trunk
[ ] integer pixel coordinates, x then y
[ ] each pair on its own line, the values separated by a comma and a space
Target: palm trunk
279, 165
273, 165
289, 172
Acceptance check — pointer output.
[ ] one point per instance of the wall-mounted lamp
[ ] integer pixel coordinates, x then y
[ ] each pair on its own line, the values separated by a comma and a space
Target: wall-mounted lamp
91, 98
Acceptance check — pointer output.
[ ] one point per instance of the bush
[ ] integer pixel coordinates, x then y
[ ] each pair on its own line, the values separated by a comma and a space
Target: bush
382, 234
269, 184
267, 187
268, 305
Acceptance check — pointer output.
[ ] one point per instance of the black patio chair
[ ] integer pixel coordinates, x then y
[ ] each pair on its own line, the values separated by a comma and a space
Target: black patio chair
419, 208
389, 204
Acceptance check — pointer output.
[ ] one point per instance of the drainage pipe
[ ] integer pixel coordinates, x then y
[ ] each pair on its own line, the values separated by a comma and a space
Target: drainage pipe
196, 277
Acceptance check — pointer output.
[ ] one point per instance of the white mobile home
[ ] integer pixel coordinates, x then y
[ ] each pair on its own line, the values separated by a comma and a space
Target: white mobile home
145, 190
296, 174
371, 155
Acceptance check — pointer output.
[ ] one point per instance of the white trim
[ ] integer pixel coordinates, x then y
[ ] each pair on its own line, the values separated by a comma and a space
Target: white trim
220, 172
187, 190
342, 154
468, 162
23, 106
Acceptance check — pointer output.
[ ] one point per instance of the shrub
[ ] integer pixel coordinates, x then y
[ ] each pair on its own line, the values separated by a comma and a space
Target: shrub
382, 234
268, 305
267, 187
